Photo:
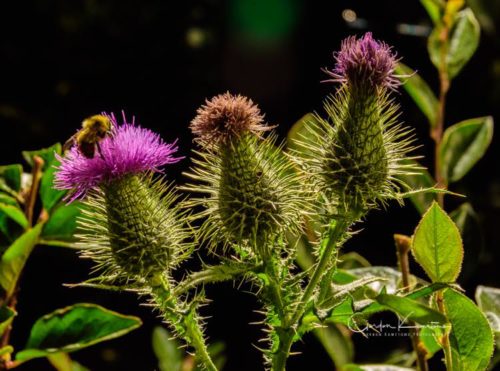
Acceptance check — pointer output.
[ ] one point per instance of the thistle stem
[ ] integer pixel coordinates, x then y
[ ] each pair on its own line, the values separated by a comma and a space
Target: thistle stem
184, 321
403, 245
328, 248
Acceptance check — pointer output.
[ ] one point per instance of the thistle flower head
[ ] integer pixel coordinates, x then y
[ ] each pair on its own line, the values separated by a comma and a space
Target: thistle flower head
129, 149
365, 62
227, 116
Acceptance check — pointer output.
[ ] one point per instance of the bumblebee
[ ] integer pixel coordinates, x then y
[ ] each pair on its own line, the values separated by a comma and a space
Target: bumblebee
94, 129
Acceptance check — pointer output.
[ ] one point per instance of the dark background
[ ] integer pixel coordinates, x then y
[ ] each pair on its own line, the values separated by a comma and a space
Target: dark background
62, 61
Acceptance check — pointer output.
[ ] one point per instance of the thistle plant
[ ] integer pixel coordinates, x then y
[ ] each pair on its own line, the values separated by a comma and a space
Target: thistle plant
132, 227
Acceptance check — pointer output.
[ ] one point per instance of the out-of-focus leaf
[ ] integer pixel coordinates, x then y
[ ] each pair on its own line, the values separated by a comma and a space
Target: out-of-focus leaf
61, 225
420, 92
47, 154
6, 317
63, 362
463, 145
352, 260
302, 133
353, 367
10, 176
337, 344
470, 229
167, 350
423, 180
437, 245
470, 338
8, 349
391, 276
428, 338
463, 42
75, 327
488, 300
15, 213
14, 258
433, 8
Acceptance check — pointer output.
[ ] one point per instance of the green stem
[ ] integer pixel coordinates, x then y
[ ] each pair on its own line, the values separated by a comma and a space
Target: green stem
183, 320
213, 274
445, 340
328, 248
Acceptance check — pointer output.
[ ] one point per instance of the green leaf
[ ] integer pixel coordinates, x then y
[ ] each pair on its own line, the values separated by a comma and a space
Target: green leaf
470, 338
6, 317
11, 176
429, 339
463, 42
166, 350
411, 310
433, 8
62, 224
47, 154
302, 133
463, 145
338, 346
423, 180
15, 257
488, 300
63, 362
74, 328
15, 213
420, 92
437, 245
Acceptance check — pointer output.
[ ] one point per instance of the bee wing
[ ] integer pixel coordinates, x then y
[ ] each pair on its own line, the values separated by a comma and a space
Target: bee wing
69, 143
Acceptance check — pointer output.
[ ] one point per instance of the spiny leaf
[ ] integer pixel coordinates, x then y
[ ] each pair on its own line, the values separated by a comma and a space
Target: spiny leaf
437, 245
73, 328
463, 145
421, 180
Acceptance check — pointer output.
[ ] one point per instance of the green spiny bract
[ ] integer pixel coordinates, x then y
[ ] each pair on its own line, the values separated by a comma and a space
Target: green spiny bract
356, 153
254, 194
132, 229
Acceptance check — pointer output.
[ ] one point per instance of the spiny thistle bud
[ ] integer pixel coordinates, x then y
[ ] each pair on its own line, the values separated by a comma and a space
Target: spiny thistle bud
359, 149
254, 194
130, 225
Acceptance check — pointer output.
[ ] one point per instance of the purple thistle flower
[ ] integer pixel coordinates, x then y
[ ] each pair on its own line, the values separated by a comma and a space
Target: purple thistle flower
129, 149
365, 61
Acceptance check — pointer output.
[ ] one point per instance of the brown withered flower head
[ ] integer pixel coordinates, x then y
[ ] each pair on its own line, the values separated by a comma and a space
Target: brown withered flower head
227, 116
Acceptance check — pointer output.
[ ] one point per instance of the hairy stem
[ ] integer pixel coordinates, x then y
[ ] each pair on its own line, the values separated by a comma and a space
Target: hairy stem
403, 246
328, 247
183, 320
445, 340
213, 274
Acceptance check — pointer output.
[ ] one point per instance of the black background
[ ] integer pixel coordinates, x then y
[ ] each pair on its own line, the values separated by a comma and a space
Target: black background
62, 61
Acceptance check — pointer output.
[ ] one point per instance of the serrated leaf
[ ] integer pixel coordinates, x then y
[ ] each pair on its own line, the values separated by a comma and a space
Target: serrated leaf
62, 224
463, 145
437, 245
11, 176
14, 258
423, 180
470, 338
463, 42
14, 213
6, 317
166, 350
420, 92
74, 328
